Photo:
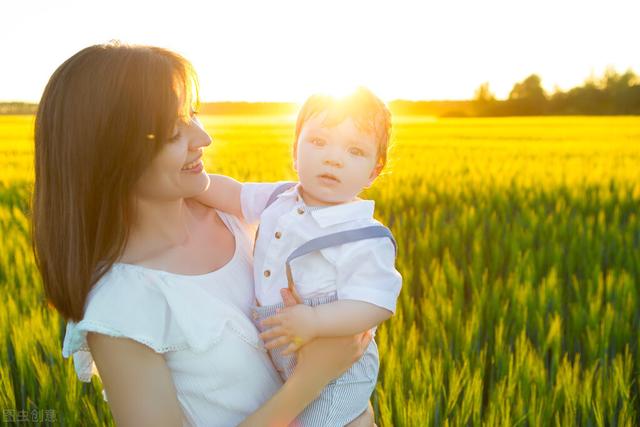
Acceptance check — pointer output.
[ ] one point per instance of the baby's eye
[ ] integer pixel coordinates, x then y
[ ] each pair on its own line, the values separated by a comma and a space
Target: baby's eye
317, 141
356, 151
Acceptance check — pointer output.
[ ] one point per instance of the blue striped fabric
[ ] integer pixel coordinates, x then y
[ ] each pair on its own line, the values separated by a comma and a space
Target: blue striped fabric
342, 400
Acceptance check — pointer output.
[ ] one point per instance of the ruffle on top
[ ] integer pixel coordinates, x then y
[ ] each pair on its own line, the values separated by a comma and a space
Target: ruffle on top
161, 310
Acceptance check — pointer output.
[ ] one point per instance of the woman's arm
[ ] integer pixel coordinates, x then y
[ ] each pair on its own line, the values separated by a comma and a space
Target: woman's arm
141, 392
137, 381
223, 193
319, 362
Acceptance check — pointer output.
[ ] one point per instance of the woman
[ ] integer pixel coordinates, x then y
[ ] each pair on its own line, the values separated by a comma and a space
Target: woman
156, 287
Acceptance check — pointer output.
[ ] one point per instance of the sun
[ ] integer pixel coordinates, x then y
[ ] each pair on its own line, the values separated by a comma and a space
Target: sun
335, 88
338, 89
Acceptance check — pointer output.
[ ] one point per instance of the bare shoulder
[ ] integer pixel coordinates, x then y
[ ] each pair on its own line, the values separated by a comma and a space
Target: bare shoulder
199, 210
204, 213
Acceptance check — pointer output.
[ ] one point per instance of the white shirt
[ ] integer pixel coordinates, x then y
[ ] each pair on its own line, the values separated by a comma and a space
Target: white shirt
199, 323
363, 270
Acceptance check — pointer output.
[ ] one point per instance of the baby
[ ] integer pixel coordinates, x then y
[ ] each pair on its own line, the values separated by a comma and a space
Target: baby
320, 240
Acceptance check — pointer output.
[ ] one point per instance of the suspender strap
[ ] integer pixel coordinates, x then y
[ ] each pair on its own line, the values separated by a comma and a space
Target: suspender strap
272, 198
279, 190
336, 239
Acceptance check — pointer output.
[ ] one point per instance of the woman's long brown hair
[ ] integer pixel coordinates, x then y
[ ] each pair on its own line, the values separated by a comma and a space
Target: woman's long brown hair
104, 115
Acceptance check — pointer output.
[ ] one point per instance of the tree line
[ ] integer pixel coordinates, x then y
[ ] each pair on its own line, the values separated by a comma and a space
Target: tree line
611, 94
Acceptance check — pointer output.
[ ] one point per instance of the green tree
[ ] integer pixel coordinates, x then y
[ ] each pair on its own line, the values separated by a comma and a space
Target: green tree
483, 93
484, 101
528, 97
619, 91
530, 88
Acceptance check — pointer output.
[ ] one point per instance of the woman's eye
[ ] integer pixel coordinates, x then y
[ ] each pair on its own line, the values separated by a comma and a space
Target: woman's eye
356, 151
318, 141
175, 137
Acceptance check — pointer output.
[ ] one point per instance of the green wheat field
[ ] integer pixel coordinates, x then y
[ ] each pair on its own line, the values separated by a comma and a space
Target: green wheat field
519, 244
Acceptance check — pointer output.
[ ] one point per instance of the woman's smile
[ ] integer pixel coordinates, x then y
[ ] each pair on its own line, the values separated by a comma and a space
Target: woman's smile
194, 167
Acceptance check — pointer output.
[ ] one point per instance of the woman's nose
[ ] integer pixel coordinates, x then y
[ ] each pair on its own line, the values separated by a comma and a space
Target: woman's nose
201, 137
206, 139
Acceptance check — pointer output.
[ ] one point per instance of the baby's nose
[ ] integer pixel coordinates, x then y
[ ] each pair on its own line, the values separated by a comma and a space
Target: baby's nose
333, 162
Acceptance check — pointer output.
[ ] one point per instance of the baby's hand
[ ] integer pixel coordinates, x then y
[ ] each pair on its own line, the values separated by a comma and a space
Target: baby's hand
294, 326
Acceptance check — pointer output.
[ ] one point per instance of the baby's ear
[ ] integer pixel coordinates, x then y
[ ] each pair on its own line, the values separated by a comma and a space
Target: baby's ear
374, 174
295, 157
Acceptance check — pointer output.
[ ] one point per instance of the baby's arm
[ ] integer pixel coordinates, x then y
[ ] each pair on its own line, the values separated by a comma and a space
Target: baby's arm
297, 325
223, 194
368, 286
348, 317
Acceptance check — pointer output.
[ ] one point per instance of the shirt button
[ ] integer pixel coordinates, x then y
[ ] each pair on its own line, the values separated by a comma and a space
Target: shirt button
278, 234
300, 211
267, 273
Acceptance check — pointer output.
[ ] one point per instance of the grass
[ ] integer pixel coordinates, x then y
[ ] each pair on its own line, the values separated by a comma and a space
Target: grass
519, 244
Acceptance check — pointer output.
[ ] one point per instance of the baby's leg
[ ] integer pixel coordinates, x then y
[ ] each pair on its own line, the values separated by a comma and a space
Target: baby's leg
344, 400
366, 419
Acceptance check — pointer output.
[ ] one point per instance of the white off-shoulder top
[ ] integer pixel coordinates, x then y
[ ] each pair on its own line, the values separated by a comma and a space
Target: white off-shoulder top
199, 323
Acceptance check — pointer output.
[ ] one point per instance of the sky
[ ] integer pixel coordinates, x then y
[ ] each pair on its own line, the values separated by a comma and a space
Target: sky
285, 50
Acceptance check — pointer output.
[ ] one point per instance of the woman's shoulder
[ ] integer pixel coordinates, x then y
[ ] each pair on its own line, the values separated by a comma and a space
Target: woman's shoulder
164, 311
125, 303
122, 304
204, 212
237, 225
198, 209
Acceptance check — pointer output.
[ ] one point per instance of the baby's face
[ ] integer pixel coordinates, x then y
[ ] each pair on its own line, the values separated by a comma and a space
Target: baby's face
334, 163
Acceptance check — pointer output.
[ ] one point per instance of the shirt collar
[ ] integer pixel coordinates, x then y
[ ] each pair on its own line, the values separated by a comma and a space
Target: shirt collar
336, 214
344, 212
292, 192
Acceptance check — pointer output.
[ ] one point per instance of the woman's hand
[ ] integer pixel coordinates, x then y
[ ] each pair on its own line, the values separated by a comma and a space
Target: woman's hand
325, 359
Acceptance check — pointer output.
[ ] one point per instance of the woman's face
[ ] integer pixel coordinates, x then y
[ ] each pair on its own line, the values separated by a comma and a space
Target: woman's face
177, 171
